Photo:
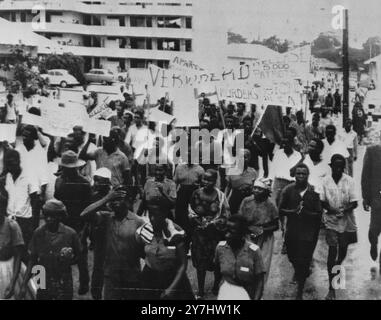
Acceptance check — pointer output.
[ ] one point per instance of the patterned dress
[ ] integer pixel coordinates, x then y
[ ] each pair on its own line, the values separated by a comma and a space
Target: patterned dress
207, 215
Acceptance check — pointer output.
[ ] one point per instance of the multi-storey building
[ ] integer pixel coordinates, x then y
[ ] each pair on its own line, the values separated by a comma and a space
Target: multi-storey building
111, 34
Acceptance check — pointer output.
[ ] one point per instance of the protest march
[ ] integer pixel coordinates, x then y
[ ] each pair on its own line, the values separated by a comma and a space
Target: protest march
189, 182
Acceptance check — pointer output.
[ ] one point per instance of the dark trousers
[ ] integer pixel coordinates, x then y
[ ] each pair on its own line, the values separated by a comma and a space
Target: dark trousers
77, 224
27, 226
375, 225
300, 253
118, 288
97, 278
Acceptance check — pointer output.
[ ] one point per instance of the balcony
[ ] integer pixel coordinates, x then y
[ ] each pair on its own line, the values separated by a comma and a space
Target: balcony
119, 8
116, 31
120, 53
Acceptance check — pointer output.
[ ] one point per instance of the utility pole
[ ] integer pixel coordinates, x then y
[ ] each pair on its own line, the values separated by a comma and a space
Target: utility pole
345, 68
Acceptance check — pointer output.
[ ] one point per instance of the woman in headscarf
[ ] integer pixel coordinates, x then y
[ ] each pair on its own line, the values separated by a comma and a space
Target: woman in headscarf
240, 263
164, 274
208, 211
238, 186
263, 219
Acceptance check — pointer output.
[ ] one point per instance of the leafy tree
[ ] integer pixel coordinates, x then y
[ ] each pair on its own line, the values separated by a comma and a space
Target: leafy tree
73, 64
325, 41
372, 46
274, 43
24, 74
236, 38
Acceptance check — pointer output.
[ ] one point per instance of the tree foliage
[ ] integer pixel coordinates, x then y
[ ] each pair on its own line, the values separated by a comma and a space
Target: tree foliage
372, 46
236, 38
73, 64
274, 43
23, 63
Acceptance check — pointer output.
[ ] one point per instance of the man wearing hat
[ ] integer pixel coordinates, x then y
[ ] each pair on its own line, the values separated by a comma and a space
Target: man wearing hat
75, 192
55, 247
301, 204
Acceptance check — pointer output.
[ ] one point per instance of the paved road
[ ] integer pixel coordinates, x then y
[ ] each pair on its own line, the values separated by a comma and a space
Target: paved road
358, 264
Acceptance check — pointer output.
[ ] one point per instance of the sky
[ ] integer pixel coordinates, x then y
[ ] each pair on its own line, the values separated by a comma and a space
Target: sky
299, 20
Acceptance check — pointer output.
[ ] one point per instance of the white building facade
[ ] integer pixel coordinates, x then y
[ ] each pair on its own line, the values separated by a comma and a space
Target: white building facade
111, 34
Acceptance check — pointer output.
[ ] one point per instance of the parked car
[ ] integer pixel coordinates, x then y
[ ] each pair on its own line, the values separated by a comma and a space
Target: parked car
60, 77
101, 76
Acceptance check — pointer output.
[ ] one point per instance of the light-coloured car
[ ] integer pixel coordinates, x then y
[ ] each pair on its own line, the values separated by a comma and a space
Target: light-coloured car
60, 77
100, 76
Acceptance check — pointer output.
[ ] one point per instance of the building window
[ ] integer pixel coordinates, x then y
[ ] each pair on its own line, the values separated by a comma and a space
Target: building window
149, 22
188, 45
188, 23
168, 44
138, 21
163, 64
169, 22
23, 16
138, 43
138, 63
13, 16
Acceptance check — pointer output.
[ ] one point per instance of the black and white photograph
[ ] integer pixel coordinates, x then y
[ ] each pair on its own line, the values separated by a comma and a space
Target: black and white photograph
190, 150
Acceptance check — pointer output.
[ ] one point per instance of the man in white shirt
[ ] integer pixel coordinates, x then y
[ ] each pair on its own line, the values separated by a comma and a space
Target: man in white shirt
284, 160
33, 156
349, 137
141, 138
333, 145
23, 200
317, 167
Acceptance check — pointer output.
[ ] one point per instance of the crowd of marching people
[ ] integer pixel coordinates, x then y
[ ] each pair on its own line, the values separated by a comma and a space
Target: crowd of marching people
144, 221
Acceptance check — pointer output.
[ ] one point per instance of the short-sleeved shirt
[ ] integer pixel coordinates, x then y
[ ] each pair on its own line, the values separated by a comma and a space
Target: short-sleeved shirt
151, 191
245, 178
10, 237
161, 256
188, 175
338, 196
35, 161
116, 162
75, 193
122, 249
19, 191
47, 247
241, 269
317, 173
304, 225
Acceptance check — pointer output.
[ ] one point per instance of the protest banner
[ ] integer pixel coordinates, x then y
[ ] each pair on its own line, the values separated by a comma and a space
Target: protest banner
28, 118
8, 132
71, 95
156, 115
185, 64
185, 108
59, 121
98, 127
237, 93
100, 110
